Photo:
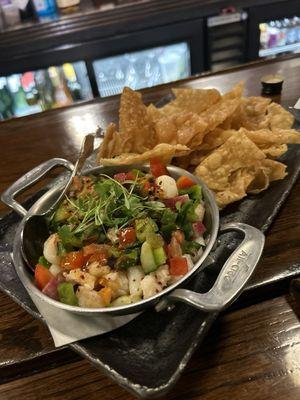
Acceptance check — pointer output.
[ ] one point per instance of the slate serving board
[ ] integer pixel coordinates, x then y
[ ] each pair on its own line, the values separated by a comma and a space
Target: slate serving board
148, 355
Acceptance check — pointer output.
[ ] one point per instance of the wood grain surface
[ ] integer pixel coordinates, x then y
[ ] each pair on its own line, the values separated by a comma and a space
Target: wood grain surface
253, 351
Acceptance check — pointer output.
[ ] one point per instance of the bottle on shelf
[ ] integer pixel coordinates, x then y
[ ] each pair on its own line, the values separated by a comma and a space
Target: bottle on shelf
10, 13
44, 88
72, 81
281, 39
62, 95
67, 6
291, 36
264, 35
273, 34
45, 9
26, 9
6, 100
30, 90
20, 105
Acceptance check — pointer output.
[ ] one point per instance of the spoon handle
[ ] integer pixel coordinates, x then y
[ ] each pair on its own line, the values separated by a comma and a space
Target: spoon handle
86, 150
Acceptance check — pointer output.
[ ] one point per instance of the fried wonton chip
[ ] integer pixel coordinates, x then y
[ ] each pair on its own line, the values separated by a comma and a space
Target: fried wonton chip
277, 136
181, 128
155, 114
219, 112
239, 183
269, 171
195, 100
274, 151
216, 138
236, 92
136, 129
278, 117
111, 144
237, 152
165, 152
251, 113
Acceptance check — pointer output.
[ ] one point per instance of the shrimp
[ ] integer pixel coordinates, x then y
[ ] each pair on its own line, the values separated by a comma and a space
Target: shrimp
50, 249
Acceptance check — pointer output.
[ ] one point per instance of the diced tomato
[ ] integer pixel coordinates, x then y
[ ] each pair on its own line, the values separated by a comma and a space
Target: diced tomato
99, 250
121, 177
42, 276
171, 203
157, 168
127, 236
101, 258
178, 266
130, 176
198, 228
73, 260
146, 186
184, 182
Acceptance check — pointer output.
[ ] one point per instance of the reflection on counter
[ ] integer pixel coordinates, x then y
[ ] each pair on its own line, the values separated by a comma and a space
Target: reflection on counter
35, 91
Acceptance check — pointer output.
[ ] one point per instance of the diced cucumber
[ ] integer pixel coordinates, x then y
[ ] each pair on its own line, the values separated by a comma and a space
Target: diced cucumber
159, 256
147, 258
143, 227
155, 240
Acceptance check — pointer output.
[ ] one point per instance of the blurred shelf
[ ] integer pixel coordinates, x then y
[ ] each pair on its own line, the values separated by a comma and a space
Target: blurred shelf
103, 18
295, 47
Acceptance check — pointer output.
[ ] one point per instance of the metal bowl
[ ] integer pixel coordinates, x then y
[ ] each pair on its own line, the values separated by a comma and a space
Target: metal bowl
230, 282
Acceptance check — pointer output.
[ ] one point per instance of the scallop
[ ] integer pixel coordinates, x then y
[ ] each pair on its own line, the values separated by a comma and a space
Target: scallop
167, 186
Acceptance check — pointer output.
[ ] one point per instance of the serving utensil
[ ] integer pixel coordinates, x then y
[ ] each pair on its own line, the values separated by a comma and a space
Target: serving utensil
36, 229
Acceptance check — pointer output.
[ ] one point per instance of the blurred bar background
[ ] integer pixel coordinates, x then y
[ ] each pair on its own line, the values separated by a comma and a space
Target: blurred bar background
54, 54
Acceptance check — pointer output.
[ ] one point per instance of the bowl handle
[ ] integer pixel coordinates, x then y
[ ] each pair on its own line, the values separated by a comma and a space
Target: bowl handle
28, 180
234, 275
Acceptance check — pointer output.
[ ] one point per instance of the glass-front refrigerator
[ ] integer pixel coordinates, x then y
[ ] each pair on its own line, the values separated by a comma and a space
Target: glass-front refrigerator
35, 91
279, 36
142, 69
273, 31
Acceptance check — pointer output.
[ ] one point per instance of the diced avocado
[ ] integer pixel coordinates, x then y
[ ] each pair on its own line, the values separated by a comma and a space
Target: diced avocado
127, 260
143, 227
66, 293
159, 256
123, 300
195, 192
147, 258
190, 247
61, 214
44, 262
68, 238
168, 217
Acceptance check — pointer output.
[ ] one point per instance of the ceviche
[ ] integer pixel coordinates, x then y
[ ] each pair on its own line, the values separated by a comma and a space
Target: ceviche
116, 240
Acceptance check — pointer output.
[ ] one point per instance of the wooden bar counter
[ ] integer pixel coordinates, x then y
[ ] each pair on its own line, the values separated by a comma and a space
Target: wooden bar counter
253, 350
